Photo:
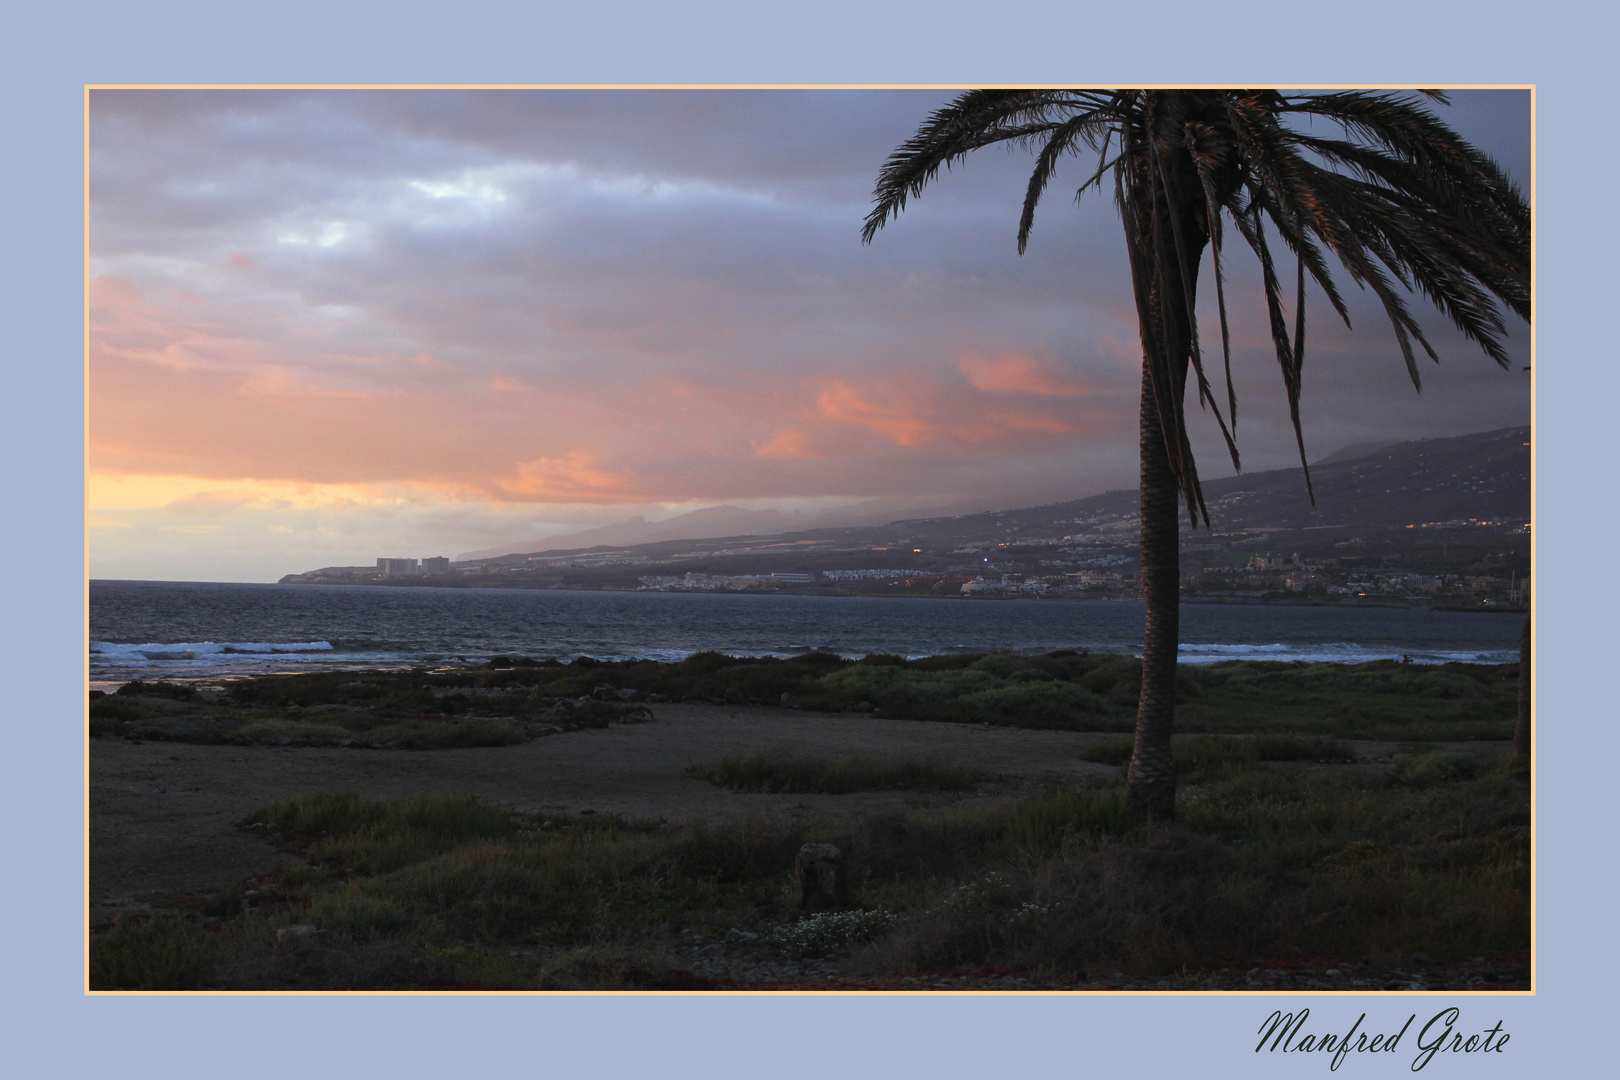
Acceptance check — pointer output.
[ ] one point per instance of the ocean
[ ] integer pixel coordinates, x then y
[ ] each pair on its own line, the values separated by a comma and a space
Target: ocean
203, 631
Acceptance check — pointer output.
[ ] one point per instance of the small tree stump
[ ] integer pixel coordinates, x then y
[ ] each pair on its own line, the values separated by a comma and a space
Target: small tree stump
821, 877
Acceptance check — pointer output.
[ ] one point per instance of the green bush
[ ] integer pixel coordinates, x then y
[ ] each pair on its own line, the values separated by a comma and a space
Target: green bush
1437, 767
178, 691
115, 709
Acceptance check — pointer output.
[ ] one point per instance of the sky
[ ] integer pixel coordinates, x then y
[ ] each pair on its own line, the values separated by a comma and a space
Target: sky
329, 326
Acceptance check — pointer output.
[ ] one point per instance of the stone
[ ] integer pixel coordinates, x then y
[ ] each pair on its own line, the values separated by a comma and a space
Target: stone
821, 877
296, 934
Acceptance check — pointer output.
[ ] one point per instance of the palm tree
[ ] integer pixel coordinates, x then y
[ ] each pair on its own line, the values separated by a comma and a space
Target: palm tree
1401, 200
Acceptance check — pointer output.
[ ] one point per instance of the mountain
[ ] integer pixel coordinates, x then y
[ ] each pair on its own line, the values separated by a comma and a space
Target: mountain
712, 521
1353, 451
1484, 476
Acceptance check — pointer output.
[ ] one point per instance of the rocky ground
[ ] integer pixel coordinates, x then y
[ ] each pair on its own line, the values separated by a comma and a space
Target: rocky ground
163, 817
1479, 973
163, 814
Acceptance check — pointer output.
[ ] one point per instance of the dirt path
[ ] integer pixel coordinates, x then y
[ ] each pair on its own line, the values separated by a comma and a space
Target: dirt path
162, 814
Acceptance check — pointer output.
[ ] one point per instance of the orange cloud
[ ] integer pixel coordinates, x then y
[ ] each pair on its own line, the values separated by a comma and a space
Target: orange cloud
574, 477
1012, 372
244, 402
885, 410
921, 414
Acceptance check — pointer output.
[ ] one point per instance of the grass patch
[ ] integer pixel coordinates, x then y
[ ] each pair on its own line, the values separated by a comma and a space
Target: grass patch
516, 698
762, 772
1266, 860
1201, 758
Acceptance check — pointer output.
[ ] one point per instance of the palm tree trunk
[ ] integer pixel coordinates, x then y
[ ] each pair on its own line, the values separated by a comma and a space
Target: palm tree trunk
1165, 234
1150, 790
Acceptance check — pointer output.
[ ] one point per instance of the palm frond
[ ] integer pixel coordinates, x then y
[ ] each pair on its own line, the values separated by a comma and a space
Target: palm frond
1403, 203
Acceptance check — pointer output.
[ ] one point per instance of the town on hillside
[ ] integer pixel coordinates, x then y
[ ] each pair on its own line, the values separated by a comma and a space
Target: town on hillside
1441, 523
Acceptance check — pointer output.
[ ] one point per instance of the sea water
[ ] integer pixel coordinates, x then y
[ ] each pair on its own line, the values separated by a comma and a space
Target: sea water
195, 630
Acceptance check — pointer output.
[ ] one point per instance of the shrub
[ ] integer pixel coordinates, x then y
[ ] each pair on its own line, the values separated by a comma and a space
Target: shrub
830, 932
1437, 767
178, 691
801, 776
1207, 757
159, 953
115, 709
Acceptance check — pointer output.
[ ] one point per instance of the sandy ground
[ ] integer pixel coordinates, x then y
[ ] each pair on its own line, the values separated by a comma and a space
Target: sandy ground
162, 814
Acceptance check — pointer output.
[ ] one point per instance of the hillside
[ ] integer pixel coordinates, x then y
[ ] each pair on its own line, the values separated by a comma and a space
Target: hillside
1369, 511
1485, 476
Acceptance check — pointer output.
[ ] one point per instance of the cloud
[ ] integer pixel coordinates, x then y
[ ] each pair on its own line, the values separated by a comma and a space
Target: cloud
1015, 373
208, 503
574, 477
475, 303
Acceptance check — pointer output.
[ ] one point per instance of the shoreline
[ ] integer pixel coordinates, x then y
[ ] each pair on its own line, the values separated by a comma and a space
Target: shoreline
107, 682
1233, 601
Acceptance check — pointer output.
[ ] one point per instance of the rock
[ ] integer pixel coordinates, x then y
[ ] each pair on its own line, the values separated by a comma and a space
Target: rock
628, 694
735, 696
821, 878
296, 934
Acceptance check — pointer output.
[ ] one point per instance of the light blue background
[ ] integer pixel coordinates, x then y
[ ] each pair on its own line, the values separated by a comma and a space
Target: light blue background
55, 1031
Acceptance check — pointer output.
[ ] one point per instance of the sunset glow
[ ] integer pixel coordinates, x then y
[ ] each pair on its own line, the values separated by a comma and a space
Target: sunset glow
331, 326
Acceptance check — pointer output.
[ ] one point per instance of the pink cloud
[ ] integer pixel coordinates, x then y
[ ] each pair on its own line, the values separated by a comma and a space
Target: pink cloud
1015, 373
227, 392
574, 477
